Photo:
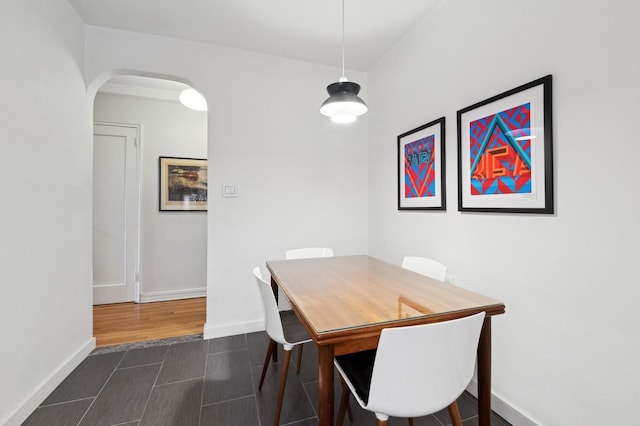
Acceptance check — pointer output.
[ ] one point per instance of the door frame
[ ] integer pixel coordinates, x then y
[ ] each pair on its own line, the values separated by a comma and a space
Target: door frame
138, 144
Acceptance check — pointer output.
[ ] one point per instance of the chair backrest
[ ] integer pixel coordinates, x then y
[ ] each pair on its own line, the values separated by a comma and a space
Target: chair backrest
307, 253
273, 323
419, 370
425, 266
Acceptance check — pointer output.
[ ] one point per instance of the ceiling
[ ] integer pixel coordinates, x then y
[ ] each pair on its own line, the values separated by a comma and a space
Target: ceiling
307, 30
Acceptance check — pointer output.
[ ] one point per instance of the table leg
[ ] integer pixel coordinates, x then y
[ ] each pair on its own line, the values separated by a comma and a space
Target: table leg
325, 385
484, 374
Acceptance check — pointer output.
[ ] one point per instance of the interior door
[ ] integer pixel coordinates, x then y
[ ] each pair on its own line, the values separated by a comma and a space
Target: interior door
115, 213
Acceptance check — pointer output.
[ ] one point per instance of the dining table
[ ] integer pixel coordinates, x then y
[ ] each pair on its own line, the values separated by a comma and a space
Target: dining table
344, 302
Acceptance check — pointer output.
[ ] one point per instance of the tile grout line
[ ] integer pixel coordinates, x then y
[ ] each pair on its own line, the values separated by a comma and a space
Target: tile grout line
146, 404
204, 383
253, 384
65, 402
101, 389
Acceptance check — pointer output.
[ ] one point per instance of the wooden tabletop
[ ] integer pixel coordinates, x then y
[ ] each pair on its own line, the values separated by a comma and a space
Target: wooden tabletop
335, 296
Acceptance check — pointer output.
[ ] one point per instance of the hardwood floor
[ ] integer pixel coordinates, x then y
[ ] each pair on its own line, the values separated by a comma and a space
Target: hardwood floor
135, 322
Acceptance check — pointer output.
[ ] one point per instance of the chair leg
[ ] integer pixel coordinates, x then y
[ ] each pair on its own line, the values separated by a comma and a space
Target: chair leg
381, 422
454, 413
345, 396
283, 382
272, 348
410, 421
299, 356
344, 403
349, 412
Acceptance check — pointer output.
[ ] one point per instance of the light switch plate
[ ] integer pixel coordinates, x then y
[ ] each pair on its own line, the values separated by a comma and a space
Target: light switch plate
229, 191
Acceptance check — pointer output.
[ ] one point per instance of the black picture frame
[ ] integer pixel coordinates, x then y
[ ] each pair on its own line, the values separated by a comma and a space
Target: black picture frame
422, 167
505, 152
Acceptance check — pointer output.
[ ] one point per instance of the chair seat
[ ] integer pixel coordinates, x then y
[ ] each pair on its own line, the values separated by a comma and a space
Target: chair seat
358, 367
294, 331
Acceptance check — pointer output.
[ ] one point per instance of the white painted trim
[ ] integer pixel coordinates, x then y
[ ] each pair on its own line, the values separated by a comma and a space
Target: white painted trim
224, 330
159, 296
42, 391
509, 412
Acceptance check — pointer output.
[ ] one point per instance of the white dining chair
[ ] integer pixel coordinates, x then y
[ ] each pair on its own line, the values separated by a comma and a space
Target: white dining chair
415, 370
308, 253
425, 266
438, 271
282, 327
304, 253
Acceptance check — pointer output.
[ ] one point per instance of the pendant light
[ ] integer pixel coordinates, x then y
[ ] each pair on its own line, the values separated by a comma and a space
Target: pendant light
343, 104
191, 98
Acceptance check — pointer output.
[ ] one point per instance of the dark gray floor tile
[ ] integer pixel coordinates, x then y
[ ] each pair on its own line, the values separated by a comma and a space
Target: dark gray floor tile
68, 413
417, 421
124, 397
496, 420
144, 356
236, 412
228, 376
174, 404
272, 377
213, 381
361, 417
184, 361
86, 380
257, 343
225, 344
296, 404
312, 390
467, 405
308, 422
309, 365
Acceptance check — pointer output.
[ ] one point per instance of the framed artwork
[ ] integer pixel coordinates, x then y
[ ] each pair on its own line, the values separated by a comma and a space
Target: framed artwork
183, 184
421, 168
505, 155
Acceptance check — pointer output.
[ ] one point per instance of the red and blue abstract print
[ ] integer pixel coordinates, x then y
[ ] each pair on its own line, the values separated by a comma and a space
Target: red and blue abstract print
500, 152
419, 168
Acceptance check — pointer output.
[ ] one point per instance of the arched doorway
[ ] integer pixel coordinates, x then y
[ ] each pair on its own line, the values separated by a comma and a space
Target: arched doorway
170, 263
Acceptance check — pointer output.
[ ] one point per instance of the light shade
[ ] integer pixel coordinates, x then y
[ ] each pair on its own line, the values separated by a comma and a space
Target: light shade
191, 98
343, 104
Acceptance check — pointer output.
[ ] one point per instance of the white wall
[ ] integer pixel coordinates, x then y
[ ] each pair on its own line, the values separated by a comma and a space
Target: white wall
45, 220
173, 245
566, 351
302, 181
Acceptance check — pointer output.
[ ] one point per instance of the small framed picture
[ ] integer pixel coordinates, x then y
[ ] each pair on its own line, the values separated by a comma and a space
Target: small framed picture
421, 168
505, 154
183, 184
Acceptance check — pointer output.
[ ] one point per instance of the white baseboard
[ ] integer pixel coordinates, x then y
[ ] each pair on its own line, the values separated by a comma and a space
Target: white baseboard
507, 411
160, 296
45, 388
223, 330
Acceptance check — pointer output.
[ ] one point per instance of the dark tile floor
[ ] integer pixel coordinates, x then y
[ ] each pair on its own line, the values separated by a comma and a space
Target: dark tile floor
199, 382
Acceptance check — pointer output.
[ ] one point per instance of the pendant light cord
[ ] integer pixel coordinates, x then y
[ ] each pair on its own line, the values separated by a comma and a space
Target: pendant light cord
343, 76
